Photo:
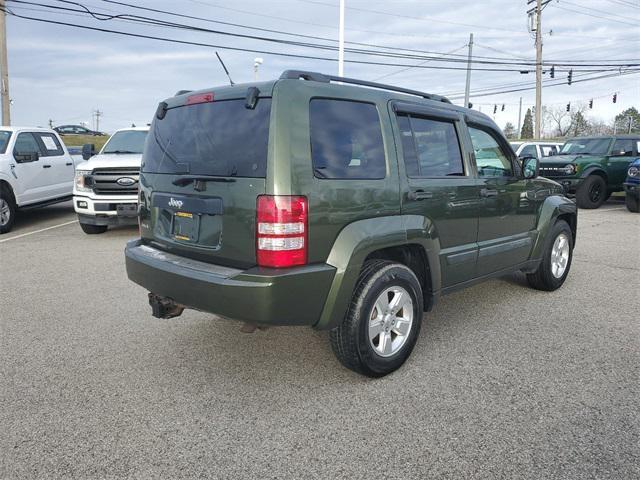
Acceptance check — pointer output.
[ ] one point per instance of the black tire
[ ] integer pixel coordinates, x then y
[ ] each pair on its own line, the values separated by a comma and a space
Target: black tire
8, 204
543, 278
350, 340
633, 205
592, 193
93, 229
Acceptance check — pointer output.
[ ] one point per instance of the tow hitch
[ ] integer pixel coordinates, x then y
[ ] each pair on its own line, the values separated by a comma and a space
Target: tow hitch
163, 307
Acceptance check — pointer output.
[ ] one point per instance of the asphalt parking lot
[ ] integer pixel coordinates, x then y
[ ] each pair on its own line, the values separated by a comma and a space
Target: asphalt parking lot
505, 382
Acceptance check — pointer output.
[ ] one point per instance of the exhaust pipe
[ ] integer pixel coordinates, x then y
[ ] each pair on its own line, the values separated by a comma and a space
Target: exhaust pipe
163, 307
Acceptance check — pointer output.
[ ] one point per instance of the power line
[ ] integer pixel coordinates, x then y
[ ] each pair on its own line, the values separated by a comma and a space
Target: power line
549, 85
594, 10
592, 15
409, 68
153, 21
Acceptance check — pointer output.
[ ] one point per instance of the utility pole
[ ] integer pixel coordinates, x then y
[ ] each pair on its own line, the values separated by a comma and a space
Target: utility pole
98, 114
520, 118
4, 67
538, 67
468, 85
341, 41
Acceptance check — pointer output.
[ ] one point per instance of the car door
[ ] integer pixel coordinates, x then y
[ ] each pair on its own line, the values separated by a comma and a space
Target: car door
507, 219
31, 177
622, 153
438, 184
60, 175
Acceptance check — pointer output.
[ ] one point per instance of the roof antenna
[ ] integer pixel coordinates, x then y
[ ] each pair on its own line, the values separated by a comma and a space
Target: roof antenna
225, 69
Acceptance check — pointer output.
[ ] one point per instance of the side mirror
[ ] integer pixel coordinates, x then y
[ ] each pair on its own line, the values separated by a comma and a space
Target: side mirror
25, 157
88, 151
530, 167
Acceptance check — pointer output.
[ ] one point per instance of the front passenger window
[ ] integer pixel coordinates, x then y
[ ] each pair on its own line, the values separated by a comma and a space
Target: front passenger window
491, 160
26, 143
623, 148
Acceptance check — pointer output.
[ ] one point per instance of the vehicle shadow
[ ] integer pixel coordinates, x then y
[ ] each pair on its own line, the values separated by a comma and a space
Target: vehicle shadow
32, 219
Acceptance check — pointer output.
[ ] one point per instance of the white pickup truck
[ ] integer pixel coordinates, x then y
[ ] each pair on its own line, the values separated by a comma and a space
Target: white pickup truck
35, 170
105, 190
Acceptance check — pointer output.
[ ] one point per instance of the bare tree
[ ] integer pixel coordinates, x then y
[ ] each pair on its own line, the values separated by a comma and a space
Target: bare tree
567, 123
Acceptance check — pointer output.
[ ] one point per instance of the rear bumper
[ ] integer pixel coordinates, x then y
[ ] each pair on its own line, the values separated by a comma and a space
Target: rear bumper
293, 296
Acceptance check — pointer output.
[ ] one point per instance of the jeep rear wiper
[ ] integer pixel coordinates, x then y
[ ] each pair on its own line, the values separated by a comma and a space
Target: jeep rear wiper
182, 181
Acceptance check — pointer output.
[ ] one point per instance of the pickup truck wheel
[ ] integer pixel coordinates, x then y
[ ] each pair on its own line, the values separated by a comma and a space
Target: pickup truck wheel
633, 205
382, 324
7, 210
592, 193
93, 229
556, 260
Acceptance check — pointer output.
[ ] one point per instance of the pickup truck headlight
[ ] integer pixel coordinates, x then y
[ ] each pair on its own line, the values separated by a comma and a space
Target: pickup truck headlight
570, 169
81, 183
633, 172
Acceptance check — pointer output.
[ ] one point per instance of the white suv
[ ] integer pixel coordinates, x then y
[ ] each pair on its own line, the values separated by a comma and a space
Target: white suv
105, 190
35, 170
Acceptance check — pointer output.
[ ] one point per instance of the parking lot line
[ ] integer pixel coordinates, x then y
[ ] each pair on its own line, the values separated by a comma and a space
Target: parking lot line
38, 231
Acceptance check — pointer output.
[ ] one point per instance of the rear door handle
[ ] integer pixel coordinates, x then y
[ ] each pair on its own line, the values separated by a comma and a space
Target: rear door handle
68, 164
487, 192
419, 195
46, 166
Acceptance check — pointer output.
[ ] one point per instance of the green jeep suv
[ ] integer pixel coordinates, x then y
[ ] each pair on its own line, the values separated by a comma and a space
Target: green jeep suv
592, 168
317, 200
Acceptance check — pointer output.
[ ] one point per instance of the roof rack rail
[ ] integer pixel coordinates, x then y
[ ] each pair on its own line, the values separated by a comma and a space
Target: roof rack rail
321, 77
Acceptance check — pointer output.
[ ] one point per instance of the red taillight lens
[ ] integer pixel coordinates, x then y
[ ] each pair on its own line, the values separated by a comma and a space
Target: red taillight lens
200, 98
281, 230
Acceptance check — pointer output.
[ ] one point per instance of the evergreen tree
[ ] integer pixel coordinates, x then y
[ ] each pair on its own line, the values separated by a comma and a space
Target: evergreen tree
527, 126
622, 121
509, 131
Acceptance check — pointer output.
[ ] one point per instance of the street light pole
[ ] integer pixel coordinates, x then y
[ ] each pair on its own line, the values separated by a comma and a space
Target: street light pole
341, 41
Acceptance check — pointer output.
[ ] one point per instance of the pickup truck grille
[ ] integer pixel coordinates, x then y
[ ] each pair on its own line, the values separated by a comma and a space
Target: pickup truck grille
105, 181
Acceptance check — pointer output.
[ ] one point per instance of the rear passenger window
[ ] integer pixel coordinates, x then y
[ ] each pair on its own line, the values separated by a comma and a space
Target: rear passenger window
491, 159
346, 140
49, 144
430, 147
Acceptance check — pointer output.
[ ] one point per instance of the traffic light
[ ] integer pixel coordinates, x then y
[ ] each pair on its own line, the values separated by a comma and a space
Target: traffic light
495, 109
470, 105
569, 107
591, 103
503, 107
553, 71
615, 97
569, 77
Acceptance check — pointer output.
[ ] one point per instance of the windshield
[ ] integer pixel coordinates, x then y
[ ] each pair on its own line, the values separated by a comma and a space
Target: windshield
222, 138
586, 146
4, 140
126, 141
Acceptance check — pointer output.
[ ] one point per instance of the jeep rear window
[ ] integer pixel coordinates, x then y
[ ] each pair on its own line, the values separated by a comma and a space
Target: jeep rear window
346, 140
220, 138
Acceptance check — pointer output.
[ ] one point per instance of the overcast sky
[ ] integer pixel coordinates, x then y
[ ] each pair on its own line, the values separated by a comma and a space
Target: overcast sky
64, 73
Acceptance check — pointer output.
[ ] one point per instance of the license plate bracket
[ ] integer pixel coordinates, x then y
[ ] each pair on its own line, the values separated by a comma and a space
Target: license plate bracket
185, 226
127, 210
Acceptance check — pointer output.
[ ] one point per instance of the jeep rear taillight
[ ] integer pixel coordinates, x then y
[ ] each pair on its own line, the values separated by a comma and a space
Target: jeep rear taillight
281, 230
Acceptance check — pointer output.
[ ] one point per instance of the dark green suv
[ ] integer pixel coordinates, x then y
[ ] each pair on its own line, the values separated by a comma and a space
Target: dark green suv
314, 200
592, 168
